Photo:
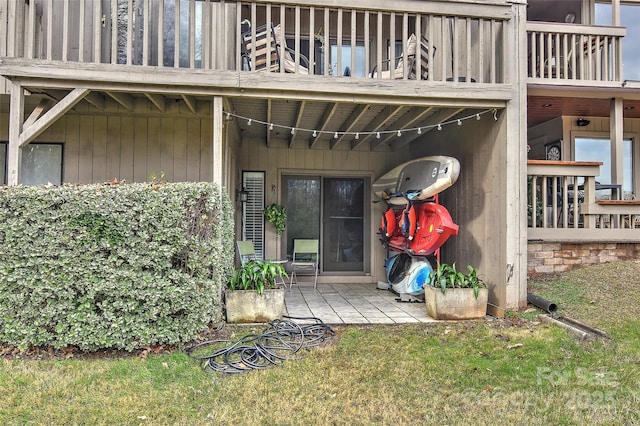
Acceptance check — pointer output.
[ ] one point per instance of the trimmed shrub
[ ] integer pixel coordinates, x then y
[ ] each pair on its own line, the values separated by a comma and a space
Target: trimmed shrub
112, 266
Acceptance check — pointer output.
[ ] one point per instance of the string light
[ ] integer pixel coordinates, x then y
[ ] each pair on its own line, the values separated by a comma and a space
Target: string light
378, 133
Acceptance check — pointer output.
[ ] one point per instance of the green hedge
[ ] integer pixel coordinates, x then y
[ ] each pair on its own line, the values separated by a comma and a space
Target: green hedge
112, 266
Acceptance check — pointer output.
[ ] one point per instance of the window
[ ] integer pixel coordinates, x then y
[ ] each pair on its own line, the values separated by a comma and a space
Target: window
252, 211
41, 164
599, 149
358, 68
629, 18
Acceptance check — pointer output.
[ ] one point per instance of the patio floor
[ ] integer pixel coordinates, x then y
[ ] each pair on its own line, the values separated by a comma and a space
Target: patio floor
351, 304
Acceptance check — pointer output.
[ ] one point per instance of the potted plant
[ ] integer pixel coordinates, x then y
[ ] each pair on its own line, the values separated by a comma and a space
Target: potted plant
453, 295
277, 216
256, 292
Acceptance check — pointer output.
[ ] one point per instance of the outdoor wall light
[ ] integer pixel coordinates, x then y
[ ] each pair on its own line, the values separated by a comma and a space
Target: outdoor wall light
583, 122
243, 195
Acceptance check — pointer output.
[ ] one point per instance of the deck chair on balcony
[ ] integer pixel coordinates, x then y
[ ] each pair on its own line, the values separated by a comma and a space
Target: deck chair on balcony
305, 258
246, 251
269, 57
409, 69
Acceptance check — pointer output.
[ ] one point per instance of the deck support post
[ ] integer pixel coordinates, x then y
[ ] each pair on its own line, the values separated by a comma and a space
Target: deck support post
16, 121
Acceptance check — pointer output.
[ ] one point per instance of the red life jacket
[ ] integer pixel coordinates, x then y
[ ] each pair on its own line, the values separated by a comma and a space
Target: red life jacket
388, 223
408, 222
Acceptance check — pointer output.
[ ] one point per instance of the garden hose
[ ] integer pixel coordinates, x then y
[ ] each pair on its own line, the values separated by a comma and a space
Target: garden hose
282, 340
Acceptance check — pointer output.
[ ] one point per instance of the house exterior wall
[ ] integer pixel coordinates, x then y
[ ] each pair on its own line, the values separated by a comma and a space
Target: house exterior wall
138, 146
276, 161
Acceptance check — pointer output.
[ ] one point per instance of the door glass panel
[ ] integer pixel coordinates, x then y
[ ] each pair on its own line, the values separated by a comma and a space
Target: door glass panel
599, 149
343, 232
302, 200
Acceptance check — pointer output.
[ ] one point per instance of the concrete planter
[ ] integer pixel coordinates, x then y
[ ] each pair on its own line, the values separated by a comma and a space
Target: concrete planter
455, 303
247, 306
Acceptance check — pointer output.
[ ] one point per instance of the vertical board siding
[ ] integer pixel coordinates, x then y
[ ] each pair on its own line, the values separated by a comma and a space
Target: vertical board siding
98, 148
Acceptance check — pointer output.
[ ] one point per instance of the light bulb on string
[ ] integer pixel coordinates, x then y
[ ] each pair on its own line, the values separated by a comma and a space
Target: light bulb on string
249, 122
271, 126
477, 116
315, 133
293, 130
357, 135
335, 135
419, 130
399, 133
459, 122
378, 135
439, 126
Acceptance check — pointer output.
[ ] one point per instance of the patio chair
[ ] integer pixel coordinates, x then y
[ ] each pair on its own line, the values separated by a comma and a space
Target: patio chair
269, 57
408, 69
246, 251
305, 257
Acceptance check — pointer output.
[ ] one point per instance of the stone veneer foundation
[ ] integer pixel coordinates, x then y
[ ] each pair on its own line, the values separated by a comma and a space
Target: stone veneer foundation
552, 258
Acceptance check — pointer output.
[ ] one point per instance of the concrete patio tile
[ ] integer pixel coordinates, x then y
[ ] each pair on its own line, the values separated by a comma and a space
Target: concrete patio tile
352, 304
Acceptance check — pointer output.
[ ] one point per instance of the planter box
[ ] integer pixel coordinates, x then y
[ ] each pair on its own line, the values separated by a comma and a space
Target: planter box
455, 303
247, 306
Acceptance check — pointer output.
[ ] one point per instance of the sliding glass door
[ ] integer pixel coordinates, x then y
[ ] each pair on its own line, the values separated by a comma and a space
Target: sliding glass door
332, 210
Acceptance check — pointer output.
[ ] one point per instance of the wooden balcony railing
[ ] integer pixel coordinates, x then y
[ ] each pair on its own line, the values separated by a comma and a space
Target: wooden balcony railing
562, 52
456, 43
564, 202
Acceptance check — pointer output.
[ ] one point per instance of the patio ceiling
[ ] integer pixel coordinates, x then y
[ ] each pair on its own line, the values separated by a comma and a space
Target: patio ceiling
345, 118
326, 118
544, 108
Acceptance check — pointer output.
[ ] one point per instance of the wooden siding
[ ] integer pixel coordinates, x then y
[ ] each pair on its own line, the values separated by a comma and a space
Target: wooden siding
174, 146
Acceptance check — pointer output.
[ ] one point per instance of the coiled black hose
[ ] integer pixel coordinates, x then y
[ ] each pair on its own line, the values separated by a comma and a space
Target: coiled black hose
282, 340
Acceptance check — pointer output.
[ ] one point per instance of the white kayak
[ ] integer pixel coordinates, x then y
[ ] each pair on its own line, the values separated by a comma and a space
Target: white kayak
417, 180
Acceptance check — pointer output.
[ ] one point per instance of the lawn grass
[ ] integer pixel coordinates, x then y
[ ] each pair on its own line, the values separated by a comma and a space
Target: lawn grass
516, 370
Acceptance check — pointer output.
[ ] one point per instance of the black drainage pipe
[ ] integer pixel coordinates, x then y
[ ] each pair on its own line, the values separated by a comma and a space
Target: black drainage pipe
541, 303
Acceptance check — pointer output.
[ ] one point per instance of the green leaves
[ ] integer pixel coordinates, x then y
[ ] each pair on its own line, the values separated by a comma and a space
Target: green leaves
112, 266
277, 216
257, 275
446, 276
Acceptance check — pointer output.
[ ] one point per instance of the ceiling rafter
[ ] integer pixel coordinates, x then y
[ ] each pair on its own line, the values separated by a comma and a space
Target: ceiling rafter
299, 115
439, 117
354, 119
268, 131
191, 103
126, 101
388, 114
408, 120
329, 112
159, 101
